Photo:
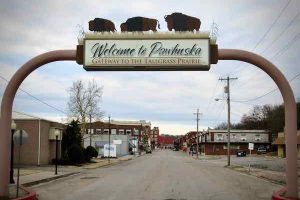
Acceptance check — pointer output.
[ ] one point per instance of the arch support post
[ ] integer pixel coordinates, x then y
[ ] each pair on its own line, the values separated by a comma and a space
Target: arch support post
289, 110
7, 103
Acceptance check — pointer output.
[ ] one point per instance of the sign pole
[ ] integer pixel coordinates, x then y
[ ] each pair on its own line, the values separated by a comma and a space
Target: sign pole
109, 139
19, 158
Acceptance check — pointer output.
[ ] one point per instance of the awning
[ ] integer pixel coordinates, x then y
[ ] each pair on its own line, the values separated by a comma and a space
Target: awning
281, 141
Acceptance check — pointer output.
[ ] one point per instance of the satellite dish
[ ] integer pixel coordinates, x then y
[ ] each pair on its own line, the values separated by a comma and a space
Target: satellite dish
20, 137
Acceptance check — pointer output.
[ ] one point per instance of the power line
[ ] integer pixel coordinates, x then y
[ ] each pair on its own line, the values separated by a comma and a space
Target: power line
272, 25
281, 33
266, 33
213, 94
43, 102
270, 92
279, 53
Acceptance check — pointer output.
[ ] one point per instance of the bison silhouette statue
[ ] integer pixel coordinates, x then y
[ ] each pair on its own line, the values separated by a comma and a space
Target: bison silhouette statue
101, 25
140, 24
182, 22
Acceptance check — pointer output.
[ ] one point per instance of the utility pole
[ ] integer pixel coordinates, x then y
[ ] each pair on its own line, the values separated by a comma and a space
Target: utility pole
109, 139
139, 141
197, 134
90, 130
227, 90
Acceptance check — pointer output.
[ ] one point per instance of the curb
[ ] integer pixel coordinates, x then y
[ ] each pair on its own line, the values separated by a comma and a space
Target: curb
279, 195
107, 164
31, 195
29, 184
114, 163
48, 179
258, 176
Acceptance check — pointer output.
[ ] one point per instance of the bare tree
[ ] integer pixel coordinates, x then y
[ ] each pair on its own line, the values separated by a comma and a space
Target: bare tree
84, 101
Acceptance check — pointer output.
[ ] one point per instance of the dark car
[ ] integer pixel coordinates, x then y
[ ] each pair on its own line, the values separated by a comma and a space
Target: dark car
240, 153
261, 150
148, 149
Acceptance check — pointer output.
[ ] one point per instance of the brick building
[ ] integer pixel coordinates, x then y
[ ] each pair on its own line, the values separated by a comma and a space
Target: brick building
131, 133
139, 128
214, 142
154, 134
166, 141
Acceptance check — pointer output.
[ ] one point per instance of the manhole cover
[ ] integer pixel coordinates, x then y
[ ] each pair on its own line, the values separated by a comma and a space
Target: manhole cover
89, 177
175, 199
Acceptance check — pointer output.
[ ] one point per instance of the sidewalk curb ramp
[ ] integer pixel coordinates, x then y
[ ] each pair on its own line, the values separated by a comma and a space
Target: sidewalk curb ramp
31, 195
279, 195
48, 179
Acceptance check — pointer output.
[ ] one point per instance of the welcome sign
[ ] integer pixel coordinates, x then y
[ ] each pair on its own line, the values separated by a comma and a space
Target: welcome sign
133, 53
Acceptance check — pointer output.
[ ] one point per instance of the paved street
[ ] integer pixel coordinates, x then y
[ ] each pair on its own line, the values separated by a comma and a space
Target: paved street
162, 175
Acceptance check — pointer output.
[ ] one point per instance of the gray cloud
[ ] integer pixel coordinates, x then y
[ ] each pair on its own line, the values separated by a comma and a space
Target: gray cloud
168, 99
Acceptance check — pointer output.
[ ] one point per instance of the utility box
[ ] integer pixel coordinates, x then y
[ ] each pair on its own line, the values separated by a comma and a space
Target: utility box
110, 150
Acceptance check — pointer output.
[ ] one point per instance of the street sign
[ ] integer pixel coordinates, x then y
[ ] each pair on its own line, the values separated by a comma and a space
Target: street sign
250, 146
117, 141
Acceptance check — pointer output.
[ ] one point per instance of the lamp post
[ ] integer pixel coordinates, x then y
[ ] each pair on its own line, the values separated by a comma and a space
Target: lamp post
57, 132
11, 172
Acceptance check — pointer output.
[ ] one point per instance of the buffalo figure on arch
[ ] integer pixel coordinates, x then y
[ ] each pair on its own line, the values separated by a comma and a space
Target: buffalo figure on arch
101, 25
182, 22
140, 24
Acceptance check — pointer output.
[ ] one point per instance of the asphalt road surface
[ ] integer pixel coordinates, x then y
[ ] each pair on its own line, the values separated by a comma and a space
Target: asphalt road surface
163, 175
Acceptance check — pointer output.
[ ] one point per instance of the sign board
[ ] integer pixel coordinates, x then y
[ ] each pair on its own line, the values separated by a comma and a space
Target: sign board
250, 146
139, 52
110, 150
117, 141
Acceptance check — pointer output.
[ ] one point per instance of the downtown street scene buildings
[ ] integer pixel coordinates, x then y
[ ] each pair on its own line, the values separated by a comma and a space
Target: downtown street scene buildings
98, 100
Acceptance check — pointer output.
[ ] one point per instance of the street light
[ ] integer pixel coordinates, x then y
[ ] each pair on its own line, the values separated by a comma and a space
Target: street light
57, 133
11, 172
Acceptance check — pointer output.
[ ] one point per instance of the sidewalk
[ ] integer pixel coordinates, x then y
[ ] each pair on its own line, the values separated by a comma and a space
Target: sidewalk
33, 175
272, 176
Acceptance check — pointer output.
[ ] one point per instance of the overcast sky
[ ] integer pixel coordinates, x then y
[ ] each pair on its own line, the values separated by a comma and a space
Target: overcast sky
270, 28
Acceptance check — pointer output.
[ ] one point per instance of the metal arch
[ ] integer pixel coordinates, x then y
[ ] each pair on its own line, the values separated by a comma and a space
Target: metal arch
289, 110
223, 54
7, 103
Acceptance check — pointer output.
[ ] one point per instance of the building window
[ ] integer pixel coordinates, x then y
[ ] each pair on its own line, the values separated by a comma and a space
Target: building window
98, 131
113, 131
128, 132
106, 131
243, 137
219, 137
233, 136
232, 146
257, 137
90, 131
121, 131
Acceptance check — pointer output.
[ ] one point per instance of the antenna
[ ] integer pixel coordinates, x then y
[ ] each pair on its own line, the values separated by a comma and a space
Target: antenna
81, 32
214, 31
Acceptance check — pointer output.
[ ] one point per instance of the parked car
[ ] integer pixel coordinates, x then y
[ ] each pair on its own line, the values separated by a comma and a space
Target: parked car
261, 150
148, 149
240, 153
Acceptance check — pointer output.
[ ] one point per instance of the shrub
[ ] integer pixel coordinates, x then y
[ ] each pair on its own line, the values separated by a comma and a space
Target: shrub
89, 153
75, 153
